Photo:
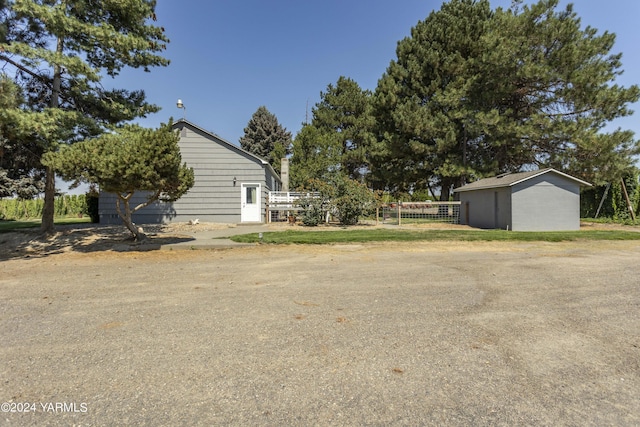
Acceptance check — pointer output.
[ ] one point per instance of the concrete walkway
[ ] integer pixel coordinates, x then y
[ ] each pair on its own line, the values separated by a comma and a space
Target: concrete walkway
217, 239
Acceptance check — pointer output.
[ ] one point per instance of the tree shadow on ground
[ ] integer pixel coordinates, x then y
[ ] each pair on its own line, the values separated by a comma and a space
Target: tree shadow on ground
82, 238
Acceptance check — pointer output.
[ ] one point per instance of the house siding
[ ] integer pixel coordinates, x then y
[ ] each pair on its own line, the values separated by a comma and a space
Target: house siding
482, 211
546, 203
214, 196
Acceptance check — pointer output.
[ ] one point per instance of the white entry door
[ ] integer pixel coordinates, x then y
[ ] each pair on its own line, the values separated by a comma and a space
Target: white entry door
250, 200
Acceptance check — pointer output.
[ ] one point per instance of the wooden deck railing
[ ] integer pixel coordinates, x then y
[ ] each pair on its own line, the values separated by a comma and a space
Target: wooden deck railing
285, 201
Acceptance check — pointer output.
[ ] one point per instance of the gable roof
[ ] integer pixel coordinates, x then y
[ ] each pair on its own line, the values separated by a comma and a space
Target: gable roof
180, 123
511, 179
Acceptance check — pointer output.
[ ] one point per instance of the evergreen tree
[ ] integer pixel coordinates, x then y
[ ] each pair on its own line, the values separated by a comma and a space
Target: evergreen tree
343, 114
126, 161
4, 21
476, 92
339, 137
425, 104
21, 173
550, 107
266, 138
316, 155
60, 50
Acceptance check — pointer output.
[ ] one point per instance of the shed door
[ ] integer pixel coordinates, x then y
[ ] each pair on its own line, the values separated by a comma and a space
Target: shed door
250, 200
496, 208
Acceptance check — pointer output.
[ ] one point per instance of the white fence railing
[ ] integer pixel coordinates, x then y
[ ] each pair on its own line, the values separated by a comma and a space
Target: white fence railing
281, 204
287, 197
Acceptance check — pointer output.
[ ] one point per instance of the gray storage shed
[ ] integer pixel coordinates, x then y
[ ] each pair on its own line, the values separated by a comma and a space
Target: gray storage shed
231, 184
541, 200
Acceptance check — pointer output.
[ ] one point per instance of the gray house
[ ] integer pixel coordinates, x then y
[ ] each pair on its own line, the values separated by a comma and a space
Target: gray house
541, 200
231, 184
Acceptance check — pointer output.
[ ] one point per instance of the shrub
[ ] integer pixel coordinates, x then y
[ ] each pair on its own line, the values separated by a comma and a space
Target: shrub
346, 199
92, 198
313, 210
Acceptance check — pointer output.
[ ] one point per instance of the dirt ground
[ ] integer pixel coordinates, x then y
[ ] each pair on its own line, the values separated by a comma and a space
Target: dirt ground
375, 334
90, 238
94, 239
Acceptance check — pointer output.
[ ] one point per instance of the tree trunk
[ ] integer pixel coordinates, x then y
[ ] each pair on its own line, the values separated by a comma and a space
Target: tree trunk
125, 214
48, 211
445, 192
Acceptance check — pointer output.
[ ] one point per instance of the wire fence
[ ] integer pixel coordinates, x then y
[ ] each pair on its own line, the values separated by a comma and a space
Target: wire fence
284, 206
419, 213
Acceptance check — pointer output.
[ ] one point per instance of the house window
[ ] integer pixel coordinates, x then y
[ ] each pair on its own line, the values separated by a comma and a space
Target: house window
251, 195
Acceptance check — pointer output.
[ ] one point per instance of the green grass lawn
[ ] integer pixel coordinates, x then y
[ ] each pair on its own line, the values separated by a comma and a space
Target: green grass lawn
388, 235
16, 225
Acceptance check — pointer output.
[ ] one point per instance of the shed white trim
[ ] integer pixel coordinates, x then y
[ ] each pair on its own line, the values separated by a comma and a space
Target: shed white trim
511, 179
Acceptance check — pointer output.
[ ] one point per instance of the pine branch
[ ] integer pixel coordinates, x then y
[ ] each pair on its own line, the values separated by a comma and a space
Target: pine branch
46, 80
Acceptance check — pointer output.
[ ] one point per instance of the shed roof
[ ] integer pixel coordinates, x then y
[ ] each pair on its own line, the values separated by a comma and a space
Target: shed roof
212, 136
511, 179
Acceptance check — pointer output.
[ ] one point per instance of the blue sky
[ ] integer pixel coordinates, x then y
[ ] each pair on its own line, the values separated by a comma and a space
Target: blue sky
230, 57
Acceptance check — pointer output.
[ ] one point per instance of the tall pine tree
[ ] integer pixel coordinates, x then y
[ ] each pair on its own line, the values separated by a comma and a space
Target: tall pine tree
476, 92
343, 113
316, 155
266, 138
551, 106
21, 173
425, 104
339, 137
60, 51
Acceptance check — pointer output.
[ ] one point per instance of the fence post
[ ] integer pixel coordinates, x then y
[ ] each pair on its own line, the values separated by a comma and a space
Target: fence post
626, 197
267, 213
399, 214
377, 214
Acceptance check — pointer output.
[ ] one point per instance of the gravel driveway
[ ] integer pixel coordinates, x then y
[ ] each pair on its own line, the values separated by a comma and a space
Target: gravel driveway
377, 334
